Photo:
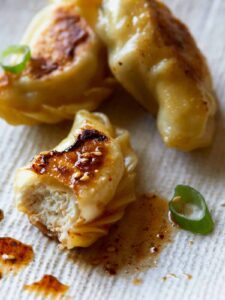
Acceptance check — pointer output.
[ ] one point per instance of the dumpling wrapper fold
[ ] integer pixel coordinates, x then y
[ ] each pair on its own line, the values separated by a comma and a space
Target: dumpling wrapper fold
67, 72
76, 191
153, 55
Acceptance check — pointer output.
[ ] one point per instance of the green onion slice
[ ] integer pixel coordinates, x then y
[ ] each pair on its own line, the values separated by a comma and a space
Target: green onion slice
189, 210
15, 58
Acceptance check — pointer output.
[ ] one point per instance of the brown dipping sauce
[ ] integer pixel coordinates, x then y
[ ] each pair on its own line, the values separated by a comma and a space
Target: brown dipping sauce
14, 255
48, 285
1, 215
135, 242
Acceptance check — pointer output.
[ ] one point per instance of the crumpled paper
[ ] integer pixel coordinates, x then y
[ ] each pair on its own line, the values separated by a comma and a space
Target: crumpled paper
160, 170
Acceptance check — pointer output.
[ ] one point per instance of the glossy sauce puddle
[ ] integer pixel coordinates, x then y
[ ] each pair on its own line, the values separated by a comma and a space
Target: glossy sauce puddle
14, 255
1, 215
133, 244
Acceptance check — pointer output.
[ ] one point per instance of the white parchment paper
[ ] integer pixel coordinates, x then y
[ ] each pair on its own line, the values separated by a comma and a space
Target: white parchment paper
160, 170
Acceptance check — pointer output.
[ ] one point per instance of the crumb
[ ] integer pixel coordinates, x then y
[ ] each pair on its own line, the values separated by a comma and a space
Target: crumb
61, 247
86, 155
189, 277
137, 281
84, 160
77, 175
97, 153
169, 275
172, 275
85, 177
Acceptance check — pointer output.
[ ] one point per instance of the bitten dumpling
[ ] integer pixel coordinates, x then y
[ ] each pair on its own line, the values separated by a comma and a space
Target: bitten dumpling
67, 72
76, 191
153, 55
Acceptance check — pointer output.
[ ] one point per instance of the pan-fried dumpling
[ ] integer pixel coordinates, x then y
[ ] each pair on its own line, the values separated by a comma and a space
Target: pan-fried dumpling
76, 191
153, 55
67, 72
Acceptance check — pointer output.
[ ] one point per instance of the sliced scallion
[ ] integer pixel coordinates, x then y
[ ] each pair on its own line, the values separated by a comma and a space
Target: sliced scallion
15, 58
189, 210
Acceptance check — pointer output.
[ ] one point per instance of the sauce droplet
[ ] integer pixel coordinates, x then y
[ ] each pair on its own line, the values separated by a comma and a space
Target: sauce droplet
14, 255
48, 285
189, 276
137, 281
134, 243
1, 215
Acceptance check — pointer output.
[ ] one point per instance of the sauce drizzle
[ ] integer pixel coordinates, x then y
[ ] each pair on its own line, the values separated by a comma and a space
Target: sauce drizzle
135, 242
48, 285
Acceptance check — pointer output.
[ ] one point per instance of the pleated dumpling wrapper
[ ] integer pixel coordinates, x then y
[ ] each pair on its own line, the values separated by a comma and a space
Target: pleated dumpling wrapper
76, 191
153, 55
67, 71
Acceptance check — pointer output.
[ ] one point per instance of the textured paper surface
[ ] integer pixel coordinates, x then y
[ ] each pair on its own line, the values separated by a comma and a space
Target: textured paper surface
160, 170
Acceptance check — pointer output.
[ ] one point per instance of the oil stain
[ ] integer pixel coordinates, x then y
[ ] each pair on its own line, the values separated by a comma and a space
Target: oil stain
134, 243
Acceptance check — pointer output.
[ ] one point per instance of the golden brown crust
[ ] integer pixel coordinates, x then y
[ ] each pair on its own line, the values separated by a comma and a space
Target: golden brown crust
75, 210
174, 34
58, 43
77, 164
56, 46
40, 67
